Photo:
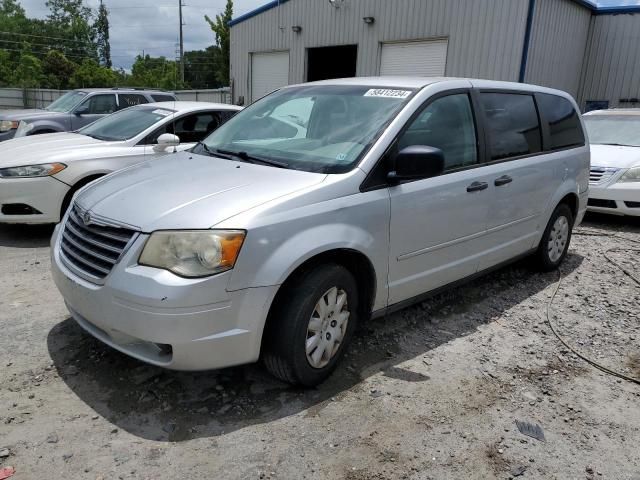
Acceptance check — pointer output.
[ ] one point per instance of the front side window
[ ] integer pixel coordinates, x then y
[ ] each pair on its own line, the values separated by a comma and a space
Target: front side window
447, 123
125, 124
512, 121
316, 128
189, 129
126, 100
613, 129
563, 122
66, 102
101, 104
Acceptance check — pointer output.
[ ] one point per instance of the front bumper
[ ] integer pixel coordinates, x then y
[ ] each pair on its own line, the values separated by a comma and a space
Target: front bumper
44, 194
165, 320
616, 199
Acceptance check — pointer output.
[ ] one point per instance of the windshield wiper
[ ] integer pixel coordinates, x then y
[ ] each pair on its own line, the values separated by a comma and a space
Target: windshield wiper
244, 156
207, 150
97, 137
616, 144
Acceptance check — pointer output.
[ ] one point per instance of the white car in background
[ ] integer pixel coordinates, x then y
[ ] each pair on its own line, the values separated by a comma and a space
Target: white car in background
39, 175
614, 185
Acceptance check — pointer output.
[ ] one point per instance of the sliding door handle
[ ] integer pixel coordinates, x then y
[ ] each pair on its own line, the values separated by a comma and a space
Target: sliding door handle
503, 180
477, 186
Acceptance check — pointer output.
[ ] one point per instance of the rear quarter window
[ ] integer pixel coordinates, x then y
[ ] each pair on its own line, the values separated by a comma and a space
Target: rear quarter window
163, 98
513, 125
562, 121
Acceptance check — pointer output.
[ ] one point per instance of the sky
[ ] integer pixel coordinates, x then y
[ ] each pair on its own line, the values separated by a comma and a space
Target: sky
152, 25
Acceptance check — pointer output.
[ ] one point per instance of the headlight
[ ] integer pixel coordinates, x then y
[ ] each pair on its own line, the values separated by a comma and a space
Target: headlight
6, 125
23, 129
193, 253
631, 175
44, 170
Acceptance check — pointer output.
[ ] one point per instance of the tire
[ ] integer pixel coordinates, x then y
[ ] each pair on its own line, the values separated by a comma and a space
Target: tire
555, 240
292, 328
67, 198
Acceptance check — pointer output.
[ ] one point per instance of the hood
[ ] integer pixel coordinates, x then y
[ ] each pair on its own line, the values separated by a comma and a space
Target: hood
614, 156
188, 191
51, 147
29, 114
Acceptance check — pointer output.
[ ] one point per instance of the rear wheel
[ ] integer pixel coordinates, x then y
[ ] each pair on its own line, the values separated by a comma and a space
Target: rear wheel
555, 239
311, 326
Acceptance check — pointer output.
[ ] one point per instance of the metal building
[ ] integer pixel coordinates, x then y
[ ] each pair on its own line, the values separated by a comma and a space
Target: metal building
593, 53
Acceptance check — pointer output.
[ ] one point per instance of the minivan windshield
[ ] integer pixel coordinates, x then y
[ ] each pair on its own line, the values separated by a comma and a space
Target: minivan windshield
125, 124
66, 102
613, 129
316, 128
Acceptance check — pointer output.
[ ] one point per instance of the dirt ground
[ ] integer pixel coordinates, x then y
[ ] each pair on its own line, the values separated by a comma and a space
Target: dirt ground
431, 392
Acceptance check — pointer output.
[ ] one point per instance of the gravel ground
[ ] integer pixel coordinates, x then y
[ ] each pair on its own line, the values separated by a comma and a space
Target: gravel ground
431, 392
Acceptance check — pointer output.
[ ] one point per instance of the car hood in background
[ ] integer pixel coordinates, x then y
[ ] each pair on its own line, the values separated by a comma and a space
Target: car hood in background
188, 191
53, 147
30, 114
614, 156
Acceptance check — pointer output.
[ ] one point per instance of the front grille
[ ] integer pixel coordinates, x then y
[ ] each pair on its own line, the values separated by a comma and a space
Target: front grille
600, 175
92, 249
597, 202
632, 204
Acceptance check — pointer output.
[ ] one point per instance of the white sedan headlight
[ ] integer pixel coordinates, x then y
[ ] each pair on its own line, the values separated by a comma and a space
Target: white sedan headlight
23, 129
193, 253
6, 125
631, 175
30, 171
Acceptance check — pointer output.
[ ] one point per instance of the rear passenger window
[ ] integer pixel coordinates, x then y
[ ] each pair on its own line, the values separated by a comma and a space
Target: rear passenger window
127, 100
564, 125
447, 123
512, 122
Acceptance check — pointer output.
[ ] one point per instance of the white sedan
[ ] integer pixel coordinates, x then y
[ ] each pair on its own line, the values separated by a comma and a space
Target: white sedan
614, 185
39, 175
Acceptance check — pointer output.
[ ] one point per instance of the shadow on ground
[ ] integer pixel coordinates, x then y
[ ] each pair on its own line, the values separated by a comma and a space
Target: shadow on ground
25, 236
157, 404
612, 222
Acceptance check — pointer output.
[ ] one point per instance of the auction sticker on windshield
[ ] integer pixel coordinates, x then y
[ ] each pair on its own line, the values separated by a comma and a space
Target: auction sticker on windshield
387, 93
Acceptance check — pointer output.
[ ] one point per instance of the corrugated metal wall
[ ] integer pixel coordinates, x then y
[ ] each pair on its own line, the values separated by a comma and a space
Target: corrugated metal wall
559, 37
485, 36
612, 60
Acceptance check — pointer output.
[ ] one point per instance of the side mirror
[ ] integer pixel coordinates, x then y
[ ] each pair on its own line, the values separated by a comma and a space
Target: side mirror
166, 140
81, 110
417, 162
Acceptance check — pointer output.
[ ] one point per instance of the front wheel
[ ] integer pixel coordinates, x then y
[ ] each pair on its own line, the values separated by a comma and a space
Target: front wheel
555, 239
311, 326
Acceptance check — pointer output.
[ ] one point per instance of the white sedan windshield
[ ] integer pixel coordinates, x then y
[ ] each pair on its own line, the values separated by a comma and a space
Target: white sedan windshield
613, 129
318, 128
125, 124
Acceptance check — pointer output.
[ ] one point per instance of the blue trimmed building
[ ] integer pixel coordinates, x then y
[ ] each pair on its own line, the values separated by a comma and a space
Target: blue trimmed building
591, 52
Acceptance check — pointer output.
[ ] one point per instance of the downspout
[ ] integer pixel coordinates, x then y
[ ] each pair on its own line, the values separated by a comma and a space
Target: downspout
527, 41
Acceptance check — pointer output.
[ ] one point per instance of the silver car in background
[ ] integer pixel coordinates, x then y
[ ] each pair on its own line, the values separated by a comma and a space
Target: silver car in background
39, 175
274, 238
615, 161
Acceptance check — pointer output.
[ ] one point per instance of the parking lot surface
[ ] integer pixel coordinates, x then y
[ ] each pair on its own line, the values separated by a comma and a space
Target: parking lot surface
431, 392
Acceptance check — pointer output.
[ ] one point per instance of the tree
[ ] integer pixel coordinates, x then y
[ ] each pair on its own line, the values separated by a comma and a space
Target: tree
201, 67
28, 73
102, 36
155, 72
57, 70
6, 69
90, 74
220, 27
73, 21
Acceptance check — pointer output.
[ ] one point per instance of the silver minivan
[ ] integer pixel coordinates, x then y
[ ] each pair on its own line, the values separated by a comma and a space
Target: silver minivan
315, 208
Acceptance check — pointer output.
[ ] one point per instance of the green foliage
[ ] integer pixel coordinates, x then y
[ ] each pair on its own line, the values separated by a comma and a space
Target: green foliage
220, 27
102, 36
155, 72
201, 67
28, 73
90, 74
57, 70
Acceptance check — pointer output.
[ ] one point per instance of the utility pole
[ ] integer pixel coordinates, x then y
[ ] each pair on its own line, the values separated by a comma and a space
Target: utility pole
181, 44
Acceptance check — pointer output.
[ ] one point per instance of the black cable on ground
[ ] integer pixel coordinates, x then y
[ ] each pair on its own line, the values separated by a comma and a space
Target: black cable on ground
557, 288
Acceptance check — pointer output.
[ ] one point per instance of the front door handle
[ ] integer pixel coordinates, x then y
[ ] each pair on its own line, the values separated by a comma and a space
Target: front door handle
477, 186
503, 180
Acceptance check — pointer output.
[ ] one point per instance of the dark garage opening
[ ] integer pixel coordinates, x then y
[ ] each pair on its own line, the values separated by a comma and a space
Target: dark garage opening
324, 63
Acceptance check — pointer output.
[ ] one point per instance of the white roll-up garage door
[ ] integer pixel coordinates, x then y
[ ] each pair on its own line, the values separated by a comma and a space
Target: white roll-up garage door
424, 59
268, 72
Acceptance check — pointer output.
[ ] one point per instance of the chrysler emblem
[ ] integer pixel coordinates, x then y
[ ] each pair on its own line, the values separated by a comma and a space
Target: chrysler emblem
86, 218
